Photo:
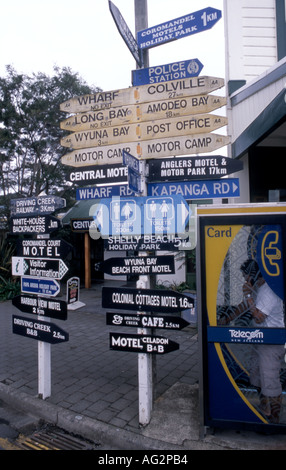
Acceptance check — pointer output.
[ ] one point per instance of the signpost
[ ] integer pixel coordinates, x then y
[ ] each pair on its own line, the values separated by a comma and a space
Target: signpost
192, 168
144, 94
167, 322
42, 306
209, 189
36, 205
164, 128
142, 112
37, 224
43, 267
142, 343
145, 299
181, 27
139, 265
40, 286
39, 330
167, 72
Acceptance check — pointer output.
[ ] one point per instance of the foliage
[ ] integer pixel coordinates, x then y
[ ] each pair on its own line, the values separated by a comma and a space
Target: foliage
30, 150
9, 287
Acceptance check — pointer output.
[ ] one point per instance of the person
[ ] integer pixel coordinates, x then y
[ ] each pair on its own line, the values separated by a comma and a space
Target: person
267, 311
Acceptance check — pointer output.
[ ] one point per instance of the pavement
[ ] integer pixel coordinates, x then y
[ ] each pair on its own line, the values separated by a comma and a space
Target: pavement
94, 391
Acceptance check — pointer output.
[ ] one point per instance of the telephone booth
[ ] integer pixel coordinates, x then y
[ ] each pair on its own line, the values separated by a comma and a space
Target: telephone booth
240, 300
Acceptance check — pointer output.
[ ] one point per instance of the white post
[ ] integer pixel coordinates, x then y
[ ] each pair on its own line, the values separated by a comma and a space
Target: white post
44, 368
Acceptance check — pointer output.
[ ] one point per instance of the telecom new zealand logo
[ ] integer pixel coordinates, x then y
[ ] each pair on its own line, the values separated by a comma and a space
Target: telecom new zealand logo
246, 336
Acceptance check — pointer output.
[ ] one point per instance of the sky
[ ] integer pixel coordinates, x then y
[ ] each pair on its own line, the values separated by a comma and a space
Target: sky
36, 35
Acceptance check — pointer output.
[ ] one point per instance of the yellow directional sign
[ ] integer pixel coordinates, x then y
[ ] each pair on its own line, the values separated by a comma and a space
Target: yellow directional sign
162, 128
184, 145
143, 94
144, 112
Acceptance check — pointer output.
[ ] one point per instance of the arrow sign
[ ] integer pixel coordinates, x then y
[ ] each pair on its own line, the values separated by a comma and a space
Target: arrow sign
43, 248
34, 224
144, 94
36, 205
43, 267
192, 168
139, 265
125, 33
143, 112
187, 25
164, 73
166, 322
145, 300
99, 175
42, 306
142, 343
223, 188
188, 125
40, 286
40, 330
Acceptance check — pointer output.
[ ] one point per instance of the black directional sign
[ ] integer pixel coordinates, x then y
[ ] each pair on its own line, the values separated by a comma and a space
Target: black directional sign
145, 299
156, 242
192, 168
139, 265
107, 174
36, 205
40, 330
142, 343
42, 267
41, 306
43, 248
37, 224
167, 322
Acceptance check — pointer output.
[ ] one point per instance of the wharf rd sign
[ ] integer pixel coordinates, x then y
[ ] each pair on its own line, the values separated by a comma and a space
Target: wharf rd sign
42, 306
139, 265
99, 192
159, 148
209, 189
40, 330
201, 85
145, 300
166, 242
141, 343
36, 205
190, 168
34, 224
166, 322
167, 72
181, 27
43, 267
125, 33
144, 112
43, 248
40, 286
163, 128
99, 174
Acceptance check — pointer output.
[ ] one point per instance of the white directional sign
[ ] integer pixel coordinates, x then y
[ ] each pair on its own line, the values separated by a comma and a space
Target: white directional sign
164, 128
143, 94
138, 215
143, 112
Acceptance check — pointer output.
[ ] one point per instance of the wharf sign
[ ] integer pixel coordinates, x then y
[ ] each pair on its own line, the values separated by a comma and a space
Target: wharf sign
42, 306
190, 168
209, 189
36, 205
43, 267
39, 330
164, 128
167, 322
181, 27
139, 265
201, 85
142, 343
142, 112
145, 300
99, 192
43, 248
156, 242
167, 72
99, 174
34, 224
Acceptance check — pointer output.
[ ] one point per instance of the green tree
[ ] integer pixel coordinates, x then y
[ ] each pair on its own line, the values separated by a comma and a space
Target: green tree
30, 150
